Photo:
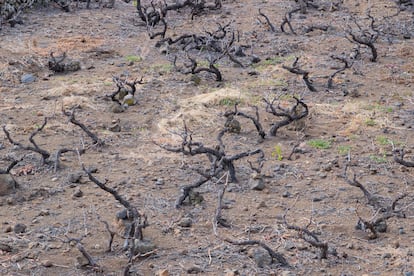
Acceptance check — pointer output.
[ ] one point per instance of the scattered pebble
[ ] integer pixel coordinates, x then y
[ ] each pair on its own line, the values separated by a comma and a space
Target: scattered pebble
5, 247
19, 228
163, 272
185, 222
74, 177
386, 255
159, 182
46, 263
194, 269
256, 184
27, 78
260, 256
7, 184
286, 194
142, 247
77, 193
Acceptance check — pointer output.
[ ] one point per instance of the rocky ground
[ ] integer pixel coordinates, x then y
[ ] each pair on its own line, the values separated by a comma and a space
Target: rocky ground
298, 203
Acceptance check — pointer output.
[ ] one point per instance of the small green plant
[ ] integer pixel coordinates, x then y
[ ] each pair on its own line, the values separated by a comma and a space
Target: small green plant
133, 58
319, 144
383, 141
344, 149
378, 158
229, 101
370, 122
277, 152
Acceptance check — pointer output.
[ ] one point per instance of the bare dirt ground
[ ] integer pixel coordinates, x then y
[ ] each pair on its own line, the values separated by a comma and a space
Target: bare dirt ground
369, 110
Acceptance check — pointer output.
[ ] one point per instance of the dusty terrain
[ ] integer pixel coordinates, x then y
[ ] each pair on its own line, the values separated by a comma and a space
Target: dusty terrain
368, 111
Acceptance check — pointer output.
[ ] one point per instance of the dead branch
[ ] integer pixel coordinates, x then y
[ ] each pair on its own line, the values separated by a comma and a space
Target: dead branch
346, 65
275, 256
308, 236
10, 167
111, 235
139, 221
381, 205
55, 64
90, 259
316, 27
73, 120
219, 160
59, 152
35, 148
157, 11
218, 219
365, 37
124, 87
256, 121
272, 28
305, 74
298, 111
185, 190
400, 159
286, 20
372, 200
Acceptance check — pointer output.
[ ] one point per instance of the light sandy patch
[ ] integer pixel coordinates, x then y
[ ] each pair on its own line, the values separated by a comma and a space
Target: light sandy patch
196, 111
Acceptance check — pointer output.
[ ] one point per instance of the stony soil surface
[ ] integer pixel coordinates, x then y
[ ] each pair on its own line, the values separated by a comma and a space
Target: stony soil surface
368, 111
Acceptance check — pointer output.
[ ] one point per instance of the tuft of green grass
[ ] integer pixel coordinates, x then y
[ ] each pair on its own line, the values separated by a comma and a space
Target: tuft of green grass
370, 122
344, 149
133, 58
320, 144
378, 158
277, 152
229, 101
383, 141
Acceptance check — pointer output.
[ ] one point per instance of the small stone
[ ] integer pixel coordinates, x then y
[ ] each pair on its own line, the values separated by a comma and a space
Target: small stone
27, 78
409, 273
115, 127
159, 182
322, 175
260, 256
33, 245
232, 273
163, 272
262, 204
194, 269
142, 247
381, 226
19, 228
5, 247
77, 193
82, 261
129, 100
255, 59
117, 108
301, 246
401, 231
386, 255
44, 213
287, 273
185, 222
317, 199
8, 229
256, 184
46, 263
286, 194
7, 184
74, 177
239, 52
350, 246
